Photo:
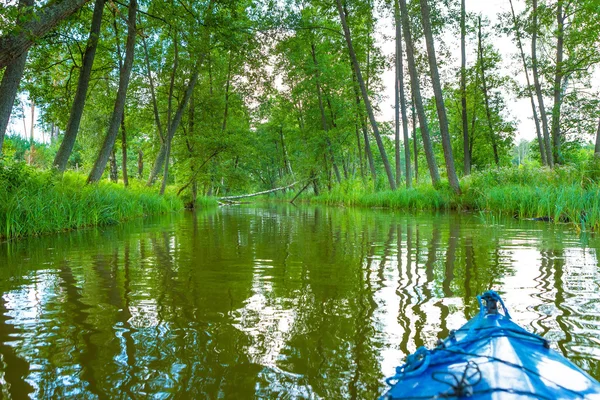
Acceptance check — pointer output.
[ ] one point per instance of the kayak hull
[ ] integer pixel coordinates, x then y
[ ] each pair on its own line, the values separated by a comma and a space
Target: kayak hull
491, 357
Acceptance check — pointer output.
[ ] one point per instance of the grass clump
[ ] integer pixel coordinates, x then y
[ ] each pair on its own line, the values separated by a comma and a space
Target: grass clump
564, 194
35, 202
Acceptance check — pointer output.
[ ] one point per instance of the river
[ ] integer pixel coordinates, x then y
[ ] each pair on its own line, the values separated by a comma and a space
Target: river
276, 301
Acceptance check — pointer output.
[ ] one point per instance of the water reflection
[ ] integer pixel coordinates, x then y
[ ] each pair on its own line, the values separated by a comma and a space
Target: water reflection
275, 301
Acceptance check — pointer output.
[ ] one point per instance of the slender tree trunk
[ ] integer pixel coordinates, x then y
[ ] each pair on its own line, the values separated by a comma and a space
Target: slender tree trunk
398, 56
140, 164
66, 146
402, 96
124, 151
17, 41
415, 154
113, 128
31, 143
538, 87
365, 132
226, 110
359, 148
597, 146
529, 91
323, 118
463, 91
365, 95
152, 91
114, 170
558, 80
175, 124
486, 98
416, 93
10, 81
439, 99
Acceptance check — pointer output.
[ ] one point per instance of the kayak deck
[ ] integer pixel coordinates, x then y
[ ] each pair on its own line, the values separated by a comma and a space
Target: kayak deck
491, 357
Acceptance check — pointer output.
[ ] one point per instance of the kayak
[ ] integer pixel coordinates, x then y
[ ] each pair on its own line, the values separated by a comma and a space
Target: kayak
490, 357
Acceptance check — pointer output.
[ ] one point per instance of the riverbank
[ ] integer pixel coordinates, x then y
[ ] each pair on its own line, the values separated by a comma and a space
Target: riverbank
34, 202
565, 194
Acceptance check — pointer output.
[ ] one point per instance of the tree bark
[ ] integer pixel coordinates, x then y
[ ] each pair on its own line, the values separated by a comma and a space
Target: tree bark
152, 92
363, 125
463, 91
66, 146
400, 93
416, 93
124, 75
415, 154
538, 87
17, 41
529, 91
10, 83
124, 151
597, 146
361, 82
175, 124
439, 99
486, 99
324, 126
140, 164
558, 80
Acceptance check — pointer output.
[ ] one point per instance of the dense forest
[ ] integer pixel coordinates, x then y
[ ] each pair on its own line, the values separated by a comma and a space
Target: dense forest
225, 97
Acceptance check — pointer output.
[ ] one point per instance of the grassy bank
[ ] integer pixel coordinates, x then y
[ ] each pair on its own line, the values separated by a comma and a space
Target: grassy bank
565, 194
35, 202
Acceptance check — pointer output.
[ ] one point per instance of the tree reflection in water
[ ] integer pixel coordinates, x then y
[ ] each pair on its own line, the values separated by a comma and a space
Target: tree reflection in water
275, 301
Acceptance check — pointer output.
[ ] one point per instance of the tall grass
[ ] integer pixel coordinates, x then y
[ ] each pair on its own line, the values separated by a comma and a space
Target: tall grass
564, 194
35, 202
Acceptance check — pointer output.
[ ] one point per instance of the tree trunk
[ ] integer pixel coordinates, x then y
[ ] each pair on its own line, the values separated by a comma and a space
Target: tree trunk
359, 148
114, 170
323, 118
162, 153
152, 92
66, 146
486, 99
124, 75
558, 79
140, 164
10, 82
175, 124
31, 143
363, 125
415, 154
538, 87
529, 91
124, 151
17, 41
463, 91
402, 96
416, 93
439, 99
597, 146
365, 95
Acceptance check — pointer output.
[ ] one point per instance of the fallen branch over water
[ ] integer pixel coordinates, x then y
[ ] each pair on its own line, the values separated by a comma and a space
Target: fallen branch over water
243, 196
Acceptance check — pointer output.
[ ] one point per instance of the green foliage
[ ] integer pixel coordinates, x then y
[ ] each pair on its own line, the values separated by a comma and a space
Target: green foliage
38, 202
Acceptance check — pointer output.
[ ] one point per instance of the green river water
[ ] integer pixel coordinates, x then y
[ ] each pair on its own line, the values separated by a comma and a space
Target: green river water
276, 301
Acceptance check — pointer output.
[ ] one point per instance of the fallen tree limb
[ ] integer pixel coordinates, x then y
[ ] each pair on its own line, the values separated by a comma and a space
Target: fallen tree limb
302, 190
257, 193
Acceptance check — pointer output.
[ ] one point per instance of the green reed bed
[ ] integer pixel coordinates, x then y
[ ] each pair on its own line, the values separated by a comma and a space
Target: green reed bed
565, 194
35, 202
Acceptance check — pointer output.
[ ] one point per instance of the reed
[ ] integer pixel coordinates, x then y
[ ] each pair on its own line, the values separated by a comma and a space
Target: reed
34, 202
565, 194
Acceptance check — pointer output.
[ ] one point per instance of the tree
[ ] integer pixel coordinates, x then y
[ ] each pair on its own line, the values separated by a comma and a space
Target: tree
439, 98
18, 40
117, 114
402, 99
365, 96
66, 146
